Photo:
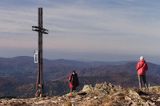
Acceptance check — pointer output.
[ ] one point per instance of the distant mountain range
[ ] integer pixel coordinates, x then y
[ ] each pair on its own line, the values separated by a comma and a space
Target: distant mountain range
18, 75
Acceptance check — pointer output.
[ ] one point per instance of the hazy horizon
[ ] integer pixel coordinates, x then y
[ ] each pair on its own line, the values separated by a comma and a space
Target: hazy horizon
90, 60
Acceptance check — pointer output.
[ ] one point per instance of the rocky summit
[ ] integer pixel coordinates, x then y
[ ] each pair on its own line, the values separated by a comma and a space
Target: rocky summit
103, 94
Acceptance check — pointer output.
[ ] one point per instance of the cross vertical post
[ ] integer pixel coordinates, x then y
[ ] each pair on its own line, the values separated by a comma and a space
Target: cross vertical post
41, 31
40, 50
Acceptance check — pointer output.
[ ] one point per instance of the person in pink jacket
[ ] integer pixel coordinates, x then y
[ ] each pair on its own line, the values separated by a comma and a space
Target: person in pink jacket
142, 68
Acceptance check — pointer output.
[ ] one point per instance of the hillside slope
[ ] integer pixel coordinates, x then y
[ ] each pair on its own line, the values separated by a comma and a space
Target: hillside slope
18, 75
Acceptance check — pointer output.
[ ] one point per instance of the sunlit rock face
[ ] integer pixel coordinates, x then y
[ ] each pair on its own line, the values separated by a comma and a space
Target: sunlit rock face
103, 94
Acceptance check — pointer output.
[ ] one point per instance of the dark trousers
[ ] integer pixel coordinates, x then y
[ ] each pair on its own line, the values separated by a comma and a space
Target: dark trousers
142, 81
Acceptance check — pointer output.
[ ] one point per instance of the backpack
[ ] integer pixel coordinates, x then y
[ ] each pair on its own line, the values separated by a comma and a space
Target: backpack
75, 80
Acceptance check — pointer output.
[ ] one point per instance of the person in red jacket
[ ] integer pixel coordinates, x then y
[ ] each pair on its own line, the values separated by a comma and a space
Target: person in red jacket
141, 68
73, 81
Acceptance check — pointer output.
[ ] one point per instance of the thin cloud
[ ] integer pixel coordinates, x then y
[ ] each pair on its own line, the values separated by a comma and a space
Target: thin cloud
90, 26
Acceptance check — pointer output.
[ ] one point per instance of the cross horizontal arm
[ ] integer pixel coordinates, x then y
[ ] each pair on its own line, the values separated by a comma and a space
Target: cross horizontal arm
39, 29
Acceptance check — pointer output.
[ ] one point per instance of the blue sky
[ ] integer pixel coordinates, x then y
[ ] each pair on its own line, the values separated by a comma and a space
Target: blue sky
107, 30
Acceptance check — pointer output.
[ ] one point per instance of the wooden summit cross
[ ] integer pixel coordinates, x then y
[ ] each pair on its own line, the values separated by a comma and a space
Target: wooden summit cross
41, 31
